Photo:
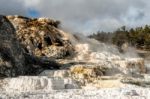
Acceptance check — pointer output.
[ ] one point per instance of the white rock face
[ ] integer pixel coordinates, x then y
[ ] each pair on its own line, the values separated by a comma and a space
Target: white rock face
24, 83
36, 83
90, 51
128, 92
131, 65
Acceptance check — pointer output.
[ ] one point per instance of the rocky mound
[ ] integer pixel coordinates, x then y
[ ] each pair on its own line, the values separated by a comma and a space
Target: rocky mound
13, 59
41, 37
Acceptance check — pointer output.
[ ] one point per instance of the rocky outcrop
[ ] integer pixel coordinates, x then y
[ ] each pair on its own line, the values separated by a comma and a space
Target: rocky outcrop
14, 60
41, 37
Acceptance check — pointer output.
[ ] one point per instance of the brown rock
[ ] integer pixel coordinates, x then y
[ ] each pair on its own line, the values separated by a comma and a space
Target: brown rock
87, 74
41, 37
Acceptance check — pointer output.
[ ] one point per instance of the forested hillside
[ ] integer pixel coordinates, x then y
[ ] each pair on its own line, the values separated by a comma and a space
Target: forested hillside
138, 37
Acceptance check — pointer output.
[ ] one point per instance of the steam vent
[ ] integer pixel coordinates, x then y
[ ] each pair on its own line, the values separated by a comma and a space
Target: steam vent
43, 55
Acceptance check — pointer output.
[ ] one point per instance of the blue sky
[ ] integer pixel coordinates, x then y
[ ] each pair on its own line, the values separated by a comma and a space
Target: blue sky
33, 13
